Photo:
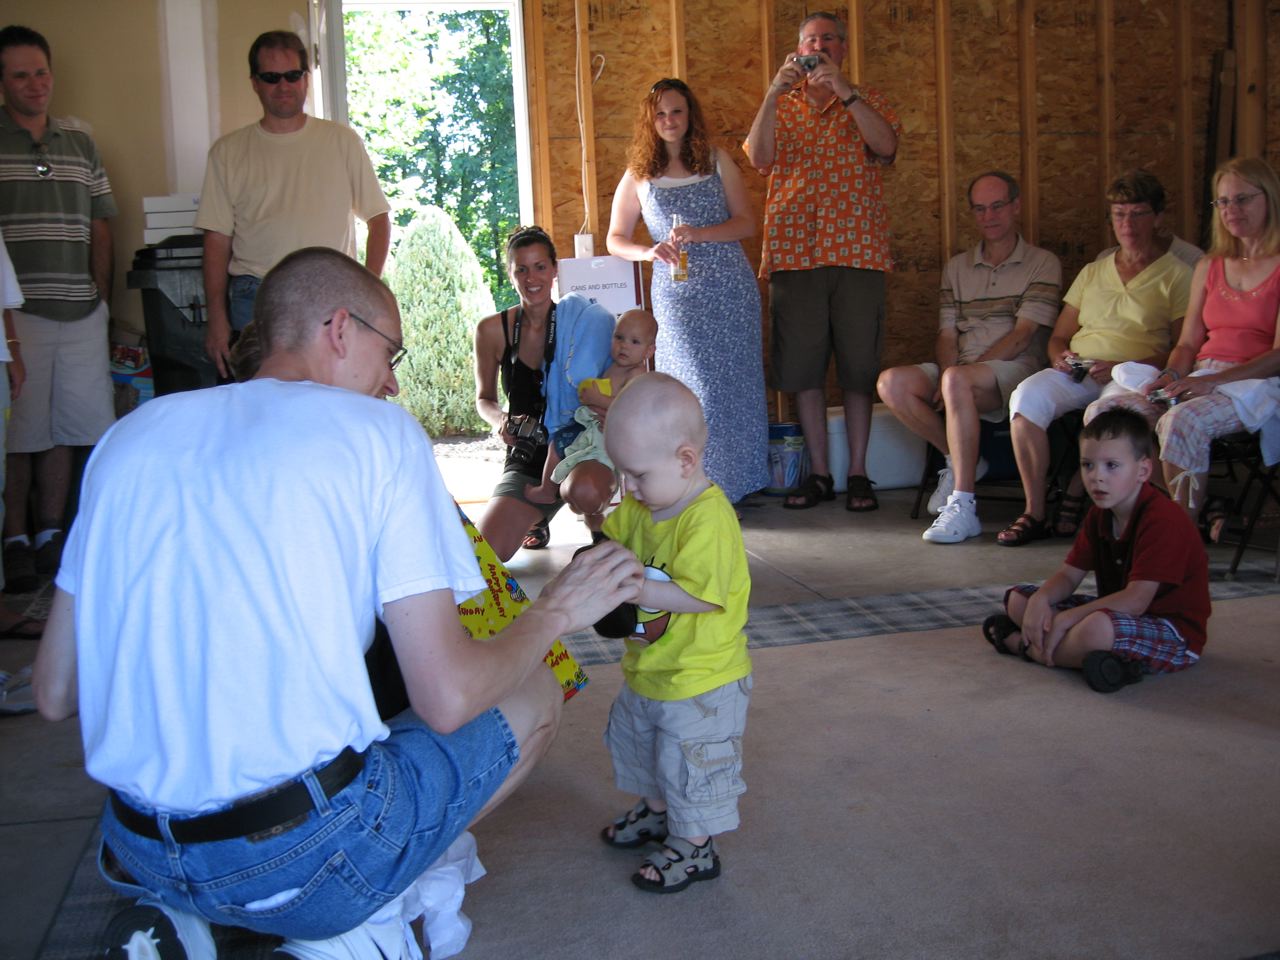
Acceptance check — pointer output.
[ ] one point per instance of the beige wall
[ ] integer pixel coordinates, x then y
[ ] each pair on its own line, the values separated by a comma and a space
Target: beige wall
107, 59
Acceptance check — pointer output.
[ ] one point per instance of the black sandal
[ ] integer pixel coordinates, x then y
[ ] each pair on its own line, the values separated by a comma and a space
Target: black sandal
816, 488
1023, 530
1213, 519
538, 537
997, 628
1066, 519
859, 488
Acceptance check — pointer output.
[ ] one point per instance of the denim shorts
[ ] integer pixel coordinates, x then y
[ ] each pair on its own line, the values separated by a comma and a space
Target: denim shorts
356, 852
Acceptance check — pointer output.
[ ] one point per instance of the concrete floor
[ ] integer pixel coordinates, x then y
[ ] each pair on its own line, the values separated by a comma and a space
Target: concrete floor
48, 807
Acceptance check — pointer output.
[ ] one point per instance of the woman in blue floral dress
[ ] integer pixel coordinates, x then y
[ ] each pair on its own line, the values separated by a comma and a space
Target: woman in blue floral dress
709, 324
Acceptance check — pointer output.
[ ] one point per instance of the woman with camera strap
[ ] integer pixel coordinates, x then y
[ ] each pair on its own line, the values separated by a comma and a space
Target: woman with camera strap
539, 351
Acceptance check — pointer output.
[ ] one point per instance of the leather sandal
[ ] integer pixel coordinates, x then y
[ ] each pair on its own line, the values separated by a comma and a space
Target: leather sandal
816, 488
997, 628
1213, 519
1023, 530
859, 488
1066, 519
538, 537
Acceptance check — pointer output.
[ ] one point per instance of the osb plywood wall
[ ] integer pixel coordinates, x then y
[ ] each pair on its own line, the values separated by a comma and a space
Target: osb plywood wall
1065, 94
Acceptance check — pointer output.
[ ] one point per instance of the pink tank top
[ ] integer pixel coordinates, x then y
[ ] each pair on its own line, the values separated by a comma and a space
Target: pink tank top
1239, 325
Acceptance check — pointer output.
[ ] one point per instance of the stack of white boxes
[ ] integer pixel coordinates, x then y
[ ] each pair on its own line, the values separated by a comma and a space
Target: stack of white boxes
174, 215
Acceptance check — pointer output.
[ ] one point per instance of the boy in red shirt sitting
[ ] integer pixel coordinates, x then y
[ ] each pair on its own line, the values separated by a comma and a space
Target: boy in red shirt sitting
1151, 568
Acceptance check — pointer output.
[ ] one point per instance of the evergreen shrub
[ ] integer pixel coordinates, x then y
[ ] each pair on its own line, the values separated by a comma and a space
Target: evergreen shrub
441, 288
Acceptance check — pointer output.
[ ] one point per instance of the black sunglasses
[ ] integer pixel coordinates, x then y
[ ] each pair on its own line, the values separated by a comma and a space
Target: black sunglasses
271, 77
669, 83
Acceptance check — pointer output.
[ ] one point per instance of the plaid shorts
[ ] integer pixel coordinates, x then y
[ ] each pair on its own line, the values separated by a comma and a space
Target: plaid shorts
1152, 641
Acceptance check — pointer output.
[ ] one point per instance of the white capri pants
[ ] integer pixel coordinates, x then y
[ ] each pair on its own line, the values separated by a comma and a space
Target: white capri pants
1045, 396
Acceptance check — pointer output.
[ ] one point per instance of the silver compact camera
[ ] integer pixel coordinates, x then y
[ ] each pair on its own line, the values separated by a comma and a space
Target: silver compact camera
527, 435
808, 61
1079, 368
1162, 398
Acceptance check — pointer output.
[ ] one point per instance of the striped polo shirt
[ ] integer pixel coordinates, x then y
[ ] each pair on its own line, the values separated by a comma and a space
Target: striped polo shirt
45, 220
983, 302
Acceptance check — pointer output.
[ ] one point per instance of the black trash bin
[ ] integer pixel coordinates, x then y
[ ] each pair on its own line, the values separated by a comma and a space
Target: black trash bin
170, 276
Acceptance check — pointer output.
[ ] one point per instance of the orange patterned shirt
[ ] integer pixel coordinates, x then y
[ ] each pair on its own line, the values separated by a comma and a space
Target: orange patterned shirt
825, 206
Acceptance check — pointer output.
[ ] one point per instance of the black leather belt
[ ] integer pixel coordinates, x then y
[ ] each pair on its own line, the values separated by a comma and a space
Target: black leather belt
258, 815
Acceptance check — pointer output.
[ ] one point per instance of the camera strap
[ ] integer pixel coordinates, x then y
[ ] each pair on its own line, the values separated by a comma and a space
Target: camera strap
548, 350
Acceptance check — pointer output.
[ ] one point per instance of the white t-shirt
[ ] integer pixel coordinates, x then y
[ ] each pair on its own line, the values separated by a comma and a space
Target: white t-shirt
231, 550
10, 295
274, 193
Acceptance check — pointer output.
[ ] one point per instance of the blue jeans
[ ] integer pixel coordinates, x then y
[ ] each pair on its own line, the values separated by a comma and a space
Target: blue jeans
241, 292
355, 853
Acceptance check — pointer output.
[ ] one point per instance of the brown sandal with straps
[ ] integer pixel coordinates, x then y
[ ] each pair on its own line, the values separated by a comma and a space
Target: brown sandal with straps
816, 488
1023, 530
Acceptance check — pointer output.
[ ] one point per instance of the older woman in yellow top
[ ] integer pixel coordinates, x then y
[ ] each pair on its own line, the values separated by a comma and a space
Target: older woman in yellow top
1128, 306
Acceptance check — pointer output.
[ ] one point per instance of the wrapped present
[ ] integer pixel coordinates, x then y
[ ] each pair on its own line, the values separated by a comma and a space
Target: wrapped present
502, 601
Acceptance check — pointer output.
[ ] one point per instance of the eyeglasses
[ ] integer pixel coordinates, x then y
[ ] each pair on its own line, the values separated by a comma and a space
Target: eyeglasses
271, 77
44, 169
979, 209
1124, 215
1238, 201
670, 83
401, 350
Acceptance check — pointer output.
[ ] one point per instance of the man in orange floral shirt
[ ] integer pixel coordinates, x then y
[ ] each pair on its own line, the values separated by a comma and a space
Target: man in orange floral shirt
822, 142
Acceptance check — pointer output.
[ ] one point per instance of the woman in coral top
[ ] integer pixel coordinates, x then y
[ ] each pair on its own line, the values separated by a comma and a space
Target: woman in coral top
1230, 340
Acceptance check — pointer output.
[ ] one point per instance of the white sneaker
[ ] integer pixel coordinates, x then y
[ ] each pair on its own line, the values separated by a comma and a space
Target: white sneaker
153, 931
958, 521
947, 484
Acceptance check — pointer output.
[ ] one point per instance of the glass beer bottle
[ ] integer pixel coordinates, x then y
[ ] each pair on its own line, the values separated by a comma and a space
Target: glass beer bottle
680, 271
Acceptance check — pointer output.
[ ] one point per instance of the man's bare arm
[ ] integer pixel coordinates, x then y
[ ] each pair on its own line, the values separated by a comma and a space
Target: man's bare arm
377, 243
55, 678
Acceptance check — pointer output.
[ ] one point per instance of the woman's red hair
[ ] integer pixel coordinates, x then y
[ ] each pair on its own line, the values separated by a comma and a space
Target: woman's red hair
647, 155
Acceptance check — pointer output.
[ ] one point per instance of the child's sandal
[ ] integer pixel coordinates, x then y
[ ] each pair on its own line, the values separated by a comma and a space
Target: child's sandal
679, 864
636, 827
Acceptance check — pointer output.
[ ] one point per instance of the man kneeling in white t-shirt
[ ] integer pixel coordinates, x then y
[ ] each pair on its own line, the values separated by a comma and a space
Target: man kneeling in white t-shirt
217, 665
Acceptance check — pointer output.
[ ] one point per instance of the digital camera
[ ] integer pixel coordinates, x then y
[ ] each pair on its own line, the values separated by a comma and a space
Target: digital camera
527, 435
1162, 398
1079, 368
808, 61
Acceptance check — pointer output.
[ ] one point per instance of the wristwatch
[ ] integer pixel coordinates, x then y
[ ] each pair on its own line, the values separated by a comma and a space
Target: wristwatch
853, 98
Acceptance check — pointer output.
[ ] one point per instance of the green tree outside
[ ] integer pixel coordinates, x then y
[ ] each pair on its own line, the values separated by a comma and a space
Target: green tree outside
431, 95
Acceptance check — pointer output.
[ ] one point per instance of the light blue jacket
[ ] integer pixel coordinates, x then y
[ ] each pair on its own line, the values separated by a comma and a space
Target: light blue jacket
584, 334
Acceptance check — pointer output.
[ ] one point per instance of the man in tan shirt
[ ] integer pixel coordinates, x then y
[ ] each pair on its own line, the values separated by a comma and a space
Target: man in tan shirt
286, 182
997, 306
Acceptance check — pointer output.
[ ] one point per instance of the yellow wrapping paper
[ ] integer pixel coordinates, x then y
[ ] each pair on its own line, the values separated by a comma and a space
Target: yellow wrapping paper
502, 601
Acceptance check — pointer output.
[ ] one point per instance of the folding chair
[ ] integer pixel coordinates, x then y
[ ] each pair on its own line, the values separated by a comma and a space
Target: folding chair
1242, 452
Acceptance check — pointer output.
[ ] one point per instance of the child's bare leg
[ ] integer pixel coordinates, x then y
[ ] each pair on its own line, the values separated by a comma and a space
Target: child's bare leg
1094, 632
587, 490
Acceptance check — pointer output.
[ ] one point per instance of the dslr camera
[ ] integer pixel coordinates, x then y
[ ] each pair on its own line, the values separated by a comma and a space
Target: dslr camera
808, 61
1079, 368
527, 435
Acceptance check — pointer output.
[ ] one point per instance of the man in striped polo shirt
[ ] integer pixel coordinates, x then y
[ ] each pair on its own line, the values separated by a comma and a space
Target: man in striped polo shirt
54, 203
998, 305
